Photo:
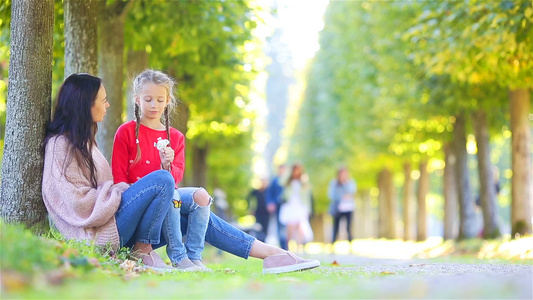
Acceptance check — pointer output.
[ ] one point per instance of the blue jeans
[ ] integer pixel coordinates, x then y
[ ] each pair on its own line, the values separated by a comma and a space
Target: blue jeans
197, 216
219, 233
143, 209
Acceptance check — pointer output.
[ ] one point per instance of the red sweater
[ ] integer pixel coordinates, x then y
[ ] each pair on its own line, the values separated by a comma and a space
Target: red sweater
125, 150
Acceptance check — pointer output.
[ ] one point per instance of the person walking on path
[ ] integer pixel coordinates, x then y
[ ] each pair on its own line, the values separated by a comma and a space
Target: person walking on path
297, 208
274, 198
341, 192
257, 205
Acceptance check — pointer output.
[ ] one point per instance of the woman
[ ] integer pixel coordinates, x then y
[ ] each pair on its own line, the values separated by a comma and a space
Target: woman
85, 204
295, 212
341, 191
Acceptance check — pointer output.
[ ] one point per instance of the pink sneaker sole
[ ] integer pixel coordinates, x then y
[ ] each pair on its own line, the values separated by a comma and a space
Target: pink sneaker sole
288, 262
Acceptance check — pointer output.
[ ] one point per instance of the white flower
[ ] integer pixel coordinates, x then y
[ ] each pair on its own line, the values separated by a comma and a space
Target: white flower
161, 143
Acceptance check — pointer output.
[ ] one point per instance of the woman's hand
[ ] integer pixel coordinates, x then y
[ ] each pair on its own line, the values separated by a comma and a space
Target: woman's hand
167, 156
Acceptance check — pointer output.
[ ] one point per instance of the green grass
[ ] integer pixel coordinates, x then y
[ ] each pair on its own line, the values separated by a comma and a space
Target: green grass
51, 268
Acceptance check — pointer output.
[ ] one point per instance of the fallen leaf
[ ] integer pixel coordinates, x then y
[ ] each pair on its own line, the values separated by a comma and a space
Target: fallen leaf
388, 273
13, 281
70, 252
152, 283
94, 262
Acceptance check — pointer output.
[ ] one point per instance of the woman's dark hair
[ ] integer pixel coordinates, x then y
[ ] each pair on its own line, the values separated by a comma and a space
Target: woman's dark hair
296, 165
73, 118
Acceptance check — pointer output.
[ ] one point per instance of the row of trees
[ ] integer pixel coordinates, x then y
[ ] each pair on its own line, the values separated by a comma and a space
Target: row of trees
204, 45
397, 85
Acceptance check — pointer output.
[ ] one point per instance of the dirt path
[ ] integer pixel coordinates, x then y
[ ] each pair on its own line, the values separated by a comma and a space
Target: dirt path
417, 278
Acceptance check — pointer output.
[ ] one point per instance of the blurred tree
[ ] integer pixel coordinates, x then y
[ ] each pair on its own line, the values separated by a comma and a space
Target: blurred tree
208, 47
28, 107
111, 19
421, 195
81, 51
487, 42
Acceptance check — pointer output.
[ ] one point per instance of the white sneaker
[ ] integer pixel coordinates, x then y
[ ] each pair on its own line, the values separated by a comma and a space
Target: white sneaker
201, 265
186, 265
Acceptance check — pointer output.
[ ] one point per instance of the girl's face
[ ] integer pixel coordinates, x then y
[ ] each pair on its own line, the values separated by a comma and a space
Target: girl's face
100, 105
152, 100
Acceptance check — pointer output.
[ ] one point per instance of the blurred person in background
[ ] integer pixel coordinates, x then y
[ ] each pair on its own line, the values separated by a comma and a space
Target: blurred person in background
341, 192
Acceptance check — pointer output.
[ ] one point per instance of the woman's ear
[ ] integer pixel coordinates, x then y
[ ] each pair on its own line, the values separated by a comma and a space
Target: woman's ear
137, 100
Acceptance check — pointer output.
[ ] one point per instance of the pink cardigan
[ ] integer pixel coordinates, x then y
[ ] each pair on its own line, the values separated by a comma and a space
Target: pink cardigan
78, 210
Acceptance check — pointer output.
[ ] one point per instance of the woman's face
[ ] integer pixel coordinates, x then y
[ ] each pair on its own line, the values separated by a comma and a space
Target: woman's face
152, 100
343, 175
100, 105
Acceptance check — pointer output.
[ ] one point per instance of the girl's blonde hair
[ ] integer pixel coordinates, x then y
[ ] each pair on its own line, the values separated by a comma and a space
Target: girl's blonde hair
158, 78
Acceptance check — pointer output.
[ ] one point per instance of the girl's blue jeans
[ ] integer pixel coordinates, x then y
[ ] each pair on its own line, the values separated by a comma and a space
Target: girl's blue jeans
143, 209
141, 218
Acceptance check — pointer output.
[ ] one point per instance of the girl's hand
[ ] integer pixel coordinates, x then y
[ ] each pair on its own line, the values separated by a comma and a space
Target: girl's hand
167, 156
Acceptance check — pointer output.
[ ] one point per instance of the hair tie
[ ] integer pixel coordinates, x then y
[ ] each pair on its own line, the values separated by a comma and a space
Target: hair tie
137, 141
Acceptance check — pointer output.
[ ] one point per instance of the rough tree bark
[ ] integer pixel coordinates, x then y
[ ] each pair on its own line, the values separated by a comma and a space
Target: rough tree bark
28, 111
408, 207
81, 51
450, 194
466, 206
521, 182
487, 189
422, 192
110, 67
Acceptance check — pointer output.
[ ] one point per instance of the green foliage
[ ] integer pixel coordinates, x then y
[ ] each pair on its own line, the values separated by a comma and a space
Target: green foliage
206, 46
39, 253
389, 78
476, 41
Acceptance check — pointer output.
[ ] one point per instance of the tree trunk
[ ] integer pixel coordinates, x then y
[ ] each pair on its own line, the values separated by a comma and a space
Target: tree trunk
81, 51
466, 207
422, 192
382, 206
199, 165
28, 111
408, 228
179, 120
111, 66
389, 208
521, 182
364, 220
487, 188
137, 61
450, 194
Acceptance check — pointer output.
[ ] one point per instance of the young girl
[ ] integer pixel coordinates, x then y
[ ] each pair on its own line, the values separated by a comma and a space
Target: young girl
134, 155
78, 189
145, 145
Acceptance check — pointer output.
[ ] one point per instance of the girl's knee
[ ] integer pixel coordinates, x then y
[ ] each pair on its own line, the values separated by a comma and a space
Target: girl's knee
201, 197
165, 178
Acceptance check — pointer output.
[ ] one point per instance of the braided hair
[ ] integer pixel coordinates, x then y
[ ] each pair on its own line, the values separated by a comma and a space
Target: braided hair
158, 78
